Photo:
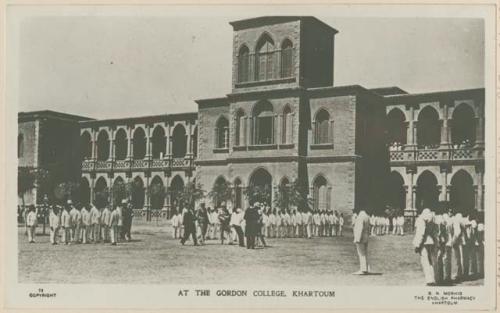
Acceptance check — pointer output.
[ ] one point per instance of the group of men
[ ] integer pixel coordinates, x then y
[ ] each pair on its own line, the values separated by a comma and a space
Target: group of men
84, 224
381, 225
440, 236
214, 223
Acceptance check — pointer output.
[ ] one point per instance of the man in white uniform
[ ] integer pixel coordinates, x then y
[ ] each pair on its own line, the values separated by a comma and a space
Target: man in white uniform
361, 234
425, 243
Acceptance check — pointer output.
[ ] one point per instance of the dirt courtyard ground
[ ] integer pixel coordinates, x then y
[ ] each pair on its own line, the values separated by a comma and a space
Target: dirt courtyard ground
154, 257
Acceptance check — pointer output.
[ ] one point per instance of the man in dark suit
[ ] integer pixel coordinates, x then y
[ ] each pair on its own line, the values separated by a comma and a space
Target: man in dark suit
189, 222
252, 225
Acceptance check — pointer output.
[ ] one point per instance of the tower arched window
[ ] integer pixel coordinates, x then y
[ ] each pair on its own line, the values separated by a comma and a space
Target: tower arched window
265, 59
286, 59
239, 136
263, 123
287, 126
243, 64
222, 133
322, 133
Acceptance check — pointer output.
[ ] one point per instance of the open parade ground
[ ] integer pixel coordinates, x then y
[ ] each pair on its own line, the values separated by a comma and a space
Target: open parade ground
154, 257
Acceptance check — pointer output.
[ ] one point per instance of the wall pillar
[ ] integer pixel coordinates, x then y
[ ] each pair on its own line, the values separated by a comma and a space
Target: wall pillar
479, 189
189, 143
445, 130
130, 151
480, 131
148, 142
411, 129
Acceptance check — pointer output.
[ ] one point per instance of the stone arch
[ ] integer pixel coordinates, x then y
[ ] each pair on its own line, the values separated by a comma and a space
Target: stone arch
397, 193
101, 192
243, 64
139, 139
463, 125
264, 53
462, 193
179, 141
263, 123
320, 193
427, 192
137, 193
260, 184
84, 191
240, 121
157, 193
222, 132
322, 128
194, 139
286, 58
396, 127
103, 146
428, 128
176, 186
158, 143
287, 125
121, 144
218, 183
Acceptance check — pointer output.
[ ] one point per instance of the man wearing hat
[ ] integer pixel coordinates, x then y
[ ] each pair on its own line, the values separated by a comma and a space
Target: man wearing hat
425, 243
251, 225
189, 222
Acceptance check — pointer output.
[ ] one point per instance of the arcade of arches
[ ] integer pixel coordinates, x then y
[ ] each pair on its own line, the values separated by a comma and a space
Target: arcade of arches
137, 144
460, 194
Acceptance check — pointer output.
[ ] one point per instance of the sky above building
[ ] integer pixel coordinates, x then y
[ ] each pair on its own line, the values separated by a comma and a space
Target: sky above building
105, 66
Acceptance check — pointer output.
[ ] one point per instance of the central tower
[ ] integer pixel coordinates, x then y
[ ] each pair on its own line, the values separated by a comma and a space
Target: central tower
273, 52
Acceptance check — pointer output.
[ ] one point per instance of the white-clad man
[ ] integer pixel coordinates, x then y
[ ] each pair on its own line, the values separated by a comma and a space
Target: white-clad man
95, 222
448, 247
361, 234
113, 226
309, 223
424, 243
54, 224
66, 225
458, 230
76, 219
85, 224
105, 217
341, 223
31, 223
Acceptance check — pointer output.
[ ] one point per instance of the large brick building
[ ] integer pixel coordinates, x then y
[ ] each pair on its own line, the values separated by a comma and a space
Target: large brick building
285, 120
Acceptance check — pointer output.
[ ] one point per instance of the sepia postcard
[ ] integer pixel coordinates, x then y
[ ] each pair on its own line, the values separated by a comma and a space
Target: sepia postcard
325, 156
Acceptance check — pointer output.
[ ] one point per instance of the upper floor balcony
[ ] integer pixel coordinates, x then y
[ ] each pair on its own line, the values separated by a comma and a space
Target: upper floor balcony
452, 153
147, 164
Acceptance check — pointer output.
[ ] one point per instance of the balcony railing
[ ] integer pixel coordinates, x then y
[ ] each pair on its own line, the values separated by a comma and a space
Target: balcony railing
436, 154
90, 165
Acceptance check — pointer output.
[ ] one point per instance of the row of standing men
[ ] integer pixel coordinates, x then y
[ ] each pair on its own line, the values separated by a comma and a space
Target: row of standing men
83, 224
275, 223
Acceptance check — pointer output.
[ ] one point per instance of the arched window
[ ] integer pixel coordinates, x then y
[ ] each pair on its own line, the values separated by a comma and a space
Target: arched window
121, 145
239, 136
179, 142
463, 126
286, 59
287, 125
85, 146
103, 146
320, 196
265, 59
243, 64
158, 142
428, 128
139, 144
322, 133
222, 133
263, 123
